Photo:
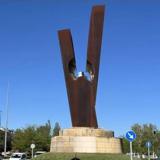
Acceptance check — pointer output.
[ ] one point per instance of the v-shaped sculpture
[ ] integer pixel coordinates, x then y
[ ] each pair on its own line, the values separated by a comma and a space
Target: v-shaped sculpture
82, 86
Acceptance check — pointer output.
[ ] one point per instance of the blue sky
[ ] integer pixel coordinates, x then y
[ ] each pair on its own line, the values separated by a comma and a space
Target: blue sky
128, 89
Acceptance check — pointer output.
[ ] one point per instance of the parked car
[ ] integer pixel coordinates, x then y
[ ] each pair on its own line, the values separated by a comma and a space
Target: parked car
18, 156
39, 153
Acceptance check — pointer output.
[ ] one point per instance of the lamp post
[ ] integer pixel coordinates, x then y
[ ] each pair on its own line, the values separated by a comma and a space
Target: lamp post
0, 118
6, 127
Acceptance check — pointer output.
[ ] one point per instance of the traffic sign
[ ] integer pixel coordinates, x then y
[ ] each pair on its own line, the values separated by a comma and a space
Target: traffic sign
33, 146
131, 136
148, 144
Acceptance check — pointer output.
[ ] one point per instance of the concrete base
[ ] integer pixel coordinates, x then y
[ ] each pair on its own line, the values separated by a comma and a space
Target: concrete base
86, 140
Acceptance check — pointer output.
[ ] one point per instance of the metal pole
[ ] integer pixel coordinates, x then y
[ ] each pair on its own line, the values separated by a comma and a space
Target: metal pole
6, 128
148, 153
32, 152
0, 119
131, 152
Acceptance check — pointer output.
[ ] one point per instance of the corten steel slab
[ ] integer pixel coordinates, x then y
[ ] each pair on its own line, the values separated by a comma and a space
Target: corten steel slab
81, 88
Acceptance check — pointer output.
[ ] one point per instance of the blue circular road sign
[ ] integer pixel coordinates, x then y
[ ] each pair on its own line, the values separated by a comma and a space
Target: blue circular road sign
131, 136
148, 144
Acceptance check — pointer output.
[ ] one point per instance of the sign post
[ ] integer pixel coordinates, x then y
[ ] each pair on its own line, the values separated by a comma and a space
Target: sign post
131, 136
131, 150
32, 147
148, 145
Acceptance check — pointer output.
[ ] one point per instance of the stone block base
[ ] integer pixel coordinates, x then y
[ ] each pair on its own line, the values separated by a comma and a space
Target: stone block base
86, 140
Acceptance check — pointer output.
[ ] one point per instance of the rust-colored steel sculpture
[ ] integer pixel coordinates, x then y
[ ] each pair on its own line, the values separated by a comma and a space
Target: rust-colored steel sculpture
82, 86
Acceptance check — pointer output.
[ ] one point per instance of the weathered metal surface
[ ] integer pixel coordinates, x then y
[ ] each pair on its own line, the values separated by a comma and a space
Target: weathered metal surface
82, 86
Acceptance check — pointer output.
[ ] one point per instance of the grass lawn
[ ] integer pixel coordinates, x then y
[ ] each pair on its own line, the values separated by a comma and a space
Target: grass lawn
69, 156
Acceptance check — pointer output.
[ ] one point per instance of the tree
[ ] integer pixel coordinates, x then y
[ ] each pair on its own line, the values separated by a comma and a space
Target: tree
125, 145
56, 129
2, 137
145, 132
43, 137
1, 141
138, 143
22, 138
40, 136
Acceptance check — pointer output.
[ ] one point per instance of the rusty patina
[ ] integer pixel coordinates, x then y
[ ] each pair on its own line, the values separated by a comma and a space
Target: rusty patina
82, 86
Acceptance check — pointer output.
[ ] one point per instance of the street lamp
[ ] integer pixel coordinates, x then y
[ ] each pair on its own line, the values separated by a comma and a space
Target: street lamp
6, 128
0, 118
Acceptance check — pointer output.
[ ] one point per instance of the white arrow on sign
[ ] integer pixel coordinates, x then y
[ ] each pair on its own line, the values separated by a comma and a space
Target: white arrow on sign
130, 135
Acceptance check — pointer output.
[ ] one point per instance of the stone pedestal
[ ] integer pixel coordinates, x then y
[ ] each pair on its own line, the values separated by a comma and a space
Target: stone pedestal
86, 140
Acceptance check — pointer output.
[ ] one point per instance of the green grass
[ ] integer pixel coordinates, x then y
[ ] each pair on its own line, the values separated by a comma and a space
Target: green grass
69, 156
